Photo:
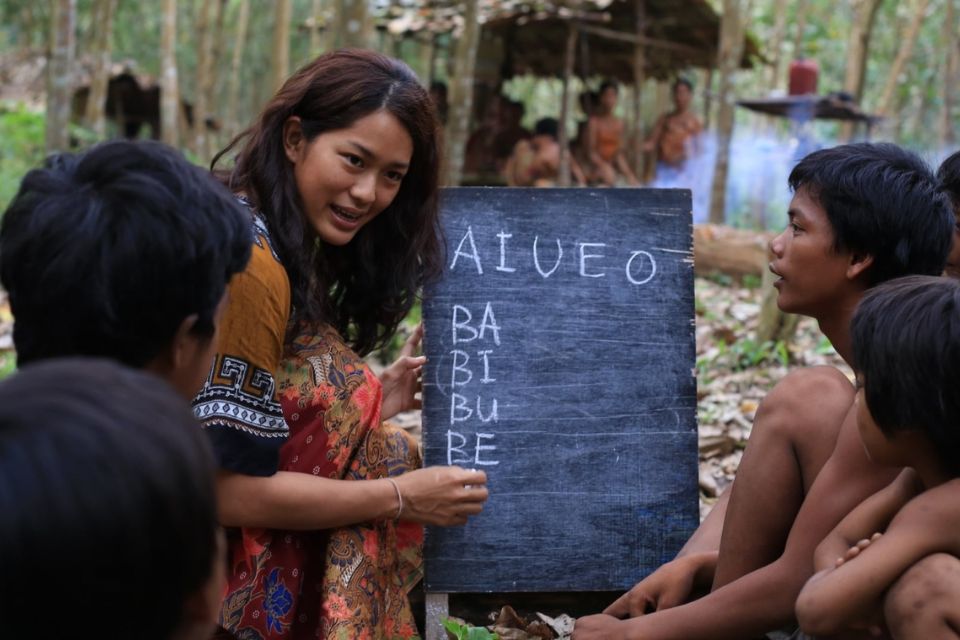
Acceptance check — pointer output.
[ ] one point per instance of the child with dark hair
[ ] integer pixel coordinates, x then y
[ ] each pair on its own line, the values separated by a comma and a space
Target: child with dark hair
109, 526
123, 251
906, 351
605, 134
536, 162
949, 176
860, 214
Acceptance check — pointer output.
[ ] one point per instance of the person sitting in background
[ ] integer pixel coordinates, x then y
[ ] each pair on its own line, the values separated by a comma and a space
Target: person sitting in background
675, 135
479, 157
438, 95
511, 131
605, 141
109, 526
536, 162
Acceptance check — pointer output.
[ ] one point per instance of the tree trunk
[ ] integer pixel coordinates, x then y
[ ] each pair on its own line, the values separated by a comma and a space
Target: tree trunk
315, 11
775, 73
921, 121
730, 52
734, 252
60, 74
774, 325
169, 90
215, 87
233, 86
95, 116
356, 24
639, 76
565, 110
205, 20
950, 45
707, 99
281, 44
858, 45
461, 95
800, 20
906, 49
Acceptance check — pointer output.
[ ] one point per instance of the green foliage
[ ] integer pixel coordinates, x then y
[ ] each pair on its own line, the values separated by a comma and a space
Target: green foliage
744, 354
824, 347
8, 363
391, 350
467, 632
751, 281
21, 146
720, 278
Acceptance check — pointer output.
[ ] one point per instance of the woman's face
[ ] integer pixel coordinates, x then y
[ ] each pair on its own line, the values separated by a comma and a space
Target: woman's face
346, 177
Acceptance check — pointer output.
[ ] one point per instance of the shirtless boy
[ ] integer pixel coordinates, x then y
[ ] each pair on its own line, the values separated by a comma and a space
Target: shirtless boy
861, 214
674, 136
906, 338
605, 141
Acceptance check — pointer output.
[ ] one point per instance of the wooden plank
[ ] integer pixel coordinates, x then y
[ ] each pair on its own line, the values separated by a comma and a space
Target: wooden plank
437, 610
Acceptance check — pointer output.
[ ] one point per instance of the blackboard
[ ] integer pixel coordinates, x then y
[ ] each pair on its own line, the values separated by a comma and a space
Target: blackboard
560, 355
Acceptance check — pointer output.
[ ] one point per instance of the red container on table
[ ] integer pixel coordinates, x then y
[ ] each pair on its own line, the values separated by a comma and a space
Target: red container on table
803, 77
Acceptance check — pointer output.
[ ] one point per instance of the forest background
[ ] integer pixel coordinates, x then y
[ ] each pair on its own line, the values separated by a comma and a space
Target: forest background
227, 57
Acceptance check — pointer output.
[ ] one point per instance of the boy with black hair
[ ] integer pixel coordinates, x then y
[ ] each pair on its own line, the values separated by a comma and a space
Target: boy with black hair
109, 525
906, 350
949, 176
123, 251
861, 214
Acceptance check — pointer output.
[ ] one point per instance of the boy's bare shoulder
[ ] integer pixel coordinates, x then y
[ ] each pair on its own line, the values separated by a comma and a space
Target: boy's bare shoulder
813, 389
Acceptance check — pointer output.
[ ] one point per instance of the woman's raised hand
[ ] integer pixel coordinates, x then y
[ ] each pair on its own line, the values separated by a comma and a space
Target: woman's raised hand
402, 380
442, 496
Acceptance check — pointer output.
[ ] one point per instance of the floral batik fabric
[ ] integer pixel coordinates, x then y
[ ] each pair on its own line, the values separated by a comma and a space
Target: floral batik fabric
342, 584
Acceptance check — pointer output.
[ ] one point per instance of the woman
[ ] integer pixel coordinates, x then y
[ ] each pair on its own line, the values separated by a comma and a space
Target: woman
340, 170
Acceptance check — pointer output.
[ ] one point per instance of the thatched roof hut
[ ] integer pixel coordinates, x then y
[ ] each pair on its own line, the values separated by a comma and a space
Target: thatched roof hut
677, 35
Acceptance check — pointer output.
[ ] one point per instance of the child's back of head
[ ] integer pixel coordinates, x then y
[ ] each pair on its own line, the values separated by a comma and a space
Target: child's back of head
906, 350
107, 252
108, 509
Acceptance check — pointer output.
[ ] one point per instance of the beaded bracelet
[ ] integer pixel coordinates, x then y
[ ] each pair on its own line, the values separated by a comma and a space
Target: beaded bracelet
399, 498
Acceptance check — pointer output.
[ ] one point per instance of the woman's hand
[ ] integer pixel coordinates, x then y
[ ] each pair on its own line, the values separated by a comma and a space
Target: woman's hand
442, 496
401, 380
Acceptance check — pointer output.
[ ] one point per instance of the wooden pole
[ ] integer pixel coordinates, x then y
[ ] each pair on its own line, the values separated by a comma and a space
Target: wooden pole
639, 76
562, 137
461, 97
170, 115
60, 74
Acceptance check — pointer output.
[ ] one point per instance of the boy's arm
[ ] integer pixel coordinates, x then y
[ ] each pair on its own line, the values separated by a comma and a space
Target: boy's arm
650, 144
764, 599
675, 582
624, 167
837, 599
871, 516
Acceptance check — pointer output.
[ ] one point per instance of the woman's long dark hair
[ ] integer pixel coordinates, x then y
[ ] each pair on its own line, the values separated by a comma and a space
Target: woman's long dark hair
366, 287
